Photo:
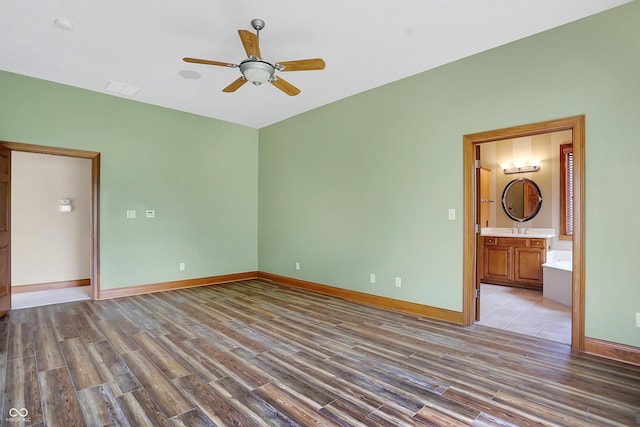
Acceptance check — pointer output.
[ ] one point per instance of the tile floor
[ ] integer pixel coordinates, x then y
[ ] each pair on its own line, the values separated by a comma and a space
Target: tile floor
55, 296
524, 311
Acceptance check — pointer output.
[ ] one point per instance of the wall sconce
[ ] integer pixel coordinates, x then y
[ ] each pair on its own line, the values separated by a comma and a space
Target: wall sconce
65, 205
520, 167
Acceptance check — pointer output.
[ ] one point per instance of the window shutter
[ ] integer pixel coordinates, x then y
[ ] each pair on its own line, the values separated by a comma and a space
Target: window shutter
569, 193
566, 190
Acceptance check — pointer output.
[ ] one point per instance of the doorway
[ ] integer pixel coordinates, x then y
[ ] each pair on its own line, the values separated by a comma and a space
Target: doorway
94, 157
473, 207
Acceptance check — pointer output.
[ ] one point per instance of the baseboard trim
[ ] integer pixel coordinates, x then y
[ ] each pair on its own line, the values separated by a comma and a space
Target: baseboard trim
607, 349
368, 299
178, 284
611, 350
18, 289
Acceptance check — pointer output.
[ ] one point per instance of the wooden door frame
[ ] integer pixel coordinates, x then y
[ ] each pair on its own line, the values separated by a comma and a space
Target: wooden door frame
577, 125
95, 199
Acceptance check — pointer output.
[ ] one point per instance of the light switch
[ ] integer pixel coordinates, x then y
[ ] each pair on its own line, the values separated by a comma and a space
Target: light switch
131, 214
452, 214
65, 205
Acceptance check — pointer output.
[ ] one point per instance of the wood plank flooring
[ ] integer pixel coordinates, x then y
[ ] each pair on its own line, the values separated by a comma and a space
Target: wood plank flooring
253, 353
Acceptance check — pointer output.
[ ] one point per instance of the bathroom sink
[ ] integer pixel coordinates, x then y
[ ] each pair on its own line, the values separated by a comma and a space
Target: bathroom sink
538, 233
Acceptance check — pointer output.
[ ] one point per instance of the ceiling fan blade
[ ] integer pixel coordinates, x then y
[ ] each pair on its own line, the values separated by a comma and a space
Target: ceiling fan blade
235, 85
303, 65
286, 87
208, 62
250, 43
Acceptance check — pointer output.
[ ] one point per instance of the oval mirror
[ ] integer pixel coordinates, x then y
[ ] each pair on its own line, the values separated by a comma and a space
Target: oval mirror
521, 199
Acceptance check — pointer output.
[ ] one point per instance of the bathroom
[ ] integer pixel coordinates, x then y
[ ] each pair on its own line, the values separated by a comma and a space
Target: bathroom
526, 289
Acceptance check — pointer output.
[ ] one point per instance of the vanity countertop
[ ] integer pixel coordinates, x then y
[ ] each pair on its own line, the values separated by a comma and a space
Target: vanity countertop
536, 233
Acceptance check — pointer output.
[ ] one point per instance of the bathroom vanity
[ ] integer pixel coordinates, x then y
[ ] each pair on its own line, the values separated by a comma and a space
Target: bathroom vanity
513, 257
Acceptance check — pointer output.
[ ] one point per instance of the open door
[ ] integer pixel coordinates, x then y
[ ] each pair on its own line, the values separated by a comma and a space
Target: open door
484, 197
5, 230
478, 225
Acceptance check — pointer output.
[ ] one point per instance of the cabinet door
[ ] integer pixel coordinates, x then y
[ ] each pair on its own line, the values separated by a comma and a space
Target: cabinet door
497, 265
528, 265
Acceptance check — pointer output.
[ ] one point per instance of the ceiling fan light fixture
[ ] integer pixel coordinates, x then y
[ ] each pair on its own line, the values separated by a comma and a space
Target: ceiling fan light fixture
256, 71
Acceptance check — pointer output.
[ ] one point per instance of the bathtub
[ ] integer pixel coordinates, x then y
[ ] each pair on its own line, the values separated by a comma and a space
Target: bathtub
557, 273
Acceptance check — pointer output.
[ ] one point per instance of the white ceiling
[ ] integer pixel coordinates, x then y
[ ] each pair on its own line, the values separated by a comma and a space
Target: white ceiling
142, 43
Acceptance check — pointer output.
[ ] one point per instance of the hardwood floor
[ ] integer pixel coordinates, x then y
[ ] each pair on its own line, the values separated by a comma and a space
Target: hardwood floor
254, 353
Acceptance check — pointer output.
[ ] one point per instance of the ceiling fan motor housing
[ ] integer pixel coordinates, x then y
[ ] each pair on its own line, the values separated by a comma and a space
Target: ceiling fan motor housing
256, 71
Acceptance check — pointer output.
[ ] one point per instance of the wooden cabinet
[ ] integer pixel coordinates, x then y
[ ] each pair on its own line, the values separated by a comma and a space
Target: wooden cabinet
512, 261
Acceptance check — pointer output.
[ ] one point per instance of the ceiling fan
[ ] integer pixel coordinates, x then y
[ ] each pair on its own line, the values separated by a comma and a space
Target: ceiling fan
258, 71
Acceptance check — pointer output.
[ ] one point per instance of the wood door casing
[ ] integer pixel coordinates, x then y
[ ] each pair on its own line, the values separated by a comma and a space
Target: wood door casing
471, 143
5, 230
95, 198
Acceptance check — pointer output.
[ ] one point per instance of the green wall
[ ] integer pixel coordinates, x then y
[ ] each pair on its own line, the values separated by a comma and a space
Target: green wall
364, 185
198, 174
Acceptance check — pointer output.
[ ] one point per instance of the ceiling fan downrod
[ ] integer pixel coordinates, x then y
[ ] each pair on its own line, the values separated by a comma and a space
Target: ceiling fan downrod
257, 24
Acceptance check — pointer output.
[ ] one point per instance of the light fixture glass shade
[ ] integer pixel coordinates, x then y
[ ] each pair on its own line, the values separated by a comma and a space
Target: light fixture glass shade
257, 72
520, 167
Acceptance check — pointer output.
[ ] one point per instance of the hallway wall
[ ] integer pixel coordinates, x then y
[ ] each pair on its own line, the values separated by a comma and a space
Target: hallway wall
48, 245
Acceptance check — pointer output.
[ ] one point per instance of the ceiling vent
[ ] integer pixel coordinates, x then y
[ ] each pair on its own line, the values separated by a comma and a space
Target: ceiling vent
122, 88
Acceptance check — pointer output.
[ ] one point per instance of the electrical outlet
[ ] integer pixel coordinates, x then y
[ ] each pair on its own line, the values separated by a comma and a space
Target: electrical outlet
297, 266
398, 282
151, 213
183, 266
372, 278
